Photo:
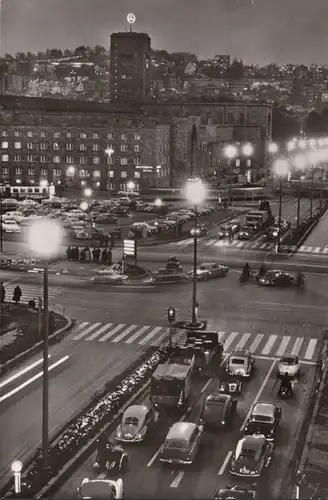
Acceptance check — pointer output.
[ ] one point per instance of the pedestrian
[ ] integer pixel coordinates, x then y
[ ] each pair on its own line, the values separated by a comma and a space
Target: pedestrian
2, 293
76, 253
96, 255
92, 254
82, 255
109, 257
17, 294
69, 253
87, 254
103, 256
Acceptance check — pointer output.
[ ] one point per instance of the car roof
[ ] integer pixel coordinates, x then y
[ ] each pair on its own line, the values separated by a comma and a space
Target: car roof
171, 370
265, 409
97, 488
216, 397
136, 411
252, 442
181, 430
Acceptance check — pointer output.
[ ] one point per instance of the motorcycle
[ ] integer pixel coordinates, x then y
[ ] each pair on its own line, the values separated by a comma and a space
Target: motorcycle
285, 392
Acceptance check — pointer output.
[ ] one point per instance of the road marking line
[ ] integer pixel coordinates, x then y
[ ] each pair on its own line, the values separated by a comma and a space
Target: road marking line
33, 379
221, 336
112, 332
150, 335
230, 340
206, 386
283, 346
175, 483
21, 372
209, 243
297, 346
100, 331
310, 349
256, 342
258, 395
161, 337
268, 346
138, 334
317, 250
87, 331
125, 333
243, 341
225, 463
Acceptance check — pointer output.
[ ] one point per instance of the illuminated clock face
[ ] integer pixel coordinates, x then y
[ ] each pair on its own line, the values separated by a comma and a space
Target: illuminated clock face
131, 18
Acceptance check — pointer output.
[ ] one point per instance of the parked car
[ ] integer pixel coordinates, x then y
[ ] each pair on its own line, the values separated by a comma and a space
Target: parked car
95, 489
182, 443
264, 420
10, 226
234, 493
218, 411
137, 422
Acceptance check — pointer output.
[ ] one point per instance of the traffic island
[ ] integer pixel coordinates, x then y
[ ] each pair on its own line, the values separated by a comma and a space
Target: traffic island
21, 336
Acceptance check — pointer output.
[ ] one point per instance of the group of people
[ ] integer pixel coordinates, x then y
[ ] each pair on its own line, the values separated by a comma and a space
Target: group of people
86, 254
16, 295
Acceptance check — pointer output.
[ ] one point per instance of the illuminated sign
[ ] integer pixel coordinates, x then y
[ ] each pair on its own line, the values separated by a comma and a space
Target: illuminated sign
129, 248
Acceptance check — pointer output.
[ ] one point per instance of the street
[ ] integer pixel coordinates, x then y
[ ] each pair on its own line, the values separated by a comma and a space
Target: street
148, 478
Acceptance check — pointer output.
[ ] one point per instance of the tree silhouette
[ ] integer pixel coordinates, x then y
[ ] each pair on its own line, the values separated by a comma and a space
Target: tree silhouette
284, 125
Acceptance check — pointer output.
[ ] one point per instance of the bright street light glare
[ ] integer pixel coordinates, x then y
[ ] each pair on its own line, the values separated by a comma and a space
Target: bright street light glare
84, 206
195, 191
131, 185
16, 466
273, 148
302, 143
43, 183
158, 202
230, 152
300, 162
313, 157
247, 150
281, 167
87, 192
71, 170
291, 145
109, 151
44, 238
312, 143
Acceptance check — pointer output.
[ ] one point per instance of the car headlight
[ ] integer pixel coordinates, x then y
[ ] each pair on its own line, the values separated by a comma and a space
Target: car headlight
96, 465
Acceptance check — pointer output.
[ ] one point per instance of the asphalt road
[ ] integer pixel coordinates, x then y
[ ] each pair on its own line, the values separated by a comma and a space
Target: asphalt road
89, 367
319, 236
148, 478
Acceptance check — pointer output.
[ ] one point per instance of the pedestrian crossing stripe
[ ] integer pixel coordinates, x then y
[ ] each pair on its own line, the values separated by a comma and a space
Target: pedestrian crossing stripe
144, 335
30, 292
250, 245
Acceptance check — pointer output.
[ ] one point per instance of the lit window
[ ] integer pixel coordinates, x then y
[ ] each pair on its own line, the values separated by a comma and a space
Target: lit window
17, 158
31, 171
136, 148
4, 145
56, 159
111, 174
43, 134
30, 145
5, 170
137, 137
43, 146
18, 170
83, 160
30, 158
56, 146
83, 147
95, 135
110, 136
18, 145
44, 171
69, 135
96, 160
57, 171
56, 135
124, 160
69, 159
83, 135
124, 137
4, 157
29, 134
124, 174
137, 161
43, 159
95, 147
110, 160
96, 174
69, 146
124, 148
137, 175
17, 133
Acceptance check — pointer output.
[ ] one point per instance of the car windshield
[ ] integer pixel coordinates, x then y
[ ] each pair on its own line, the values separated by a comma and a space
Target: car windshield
262, 418
176, 444
131, 421
203, 267
237, 361
271, 275
248, 453
288, 361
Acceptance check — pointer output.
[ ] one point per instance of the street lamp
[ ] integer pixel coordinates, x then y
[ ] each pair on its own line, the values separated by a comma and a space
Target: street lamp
247, 150
281, 170
44, 240
87, 192
16, 468
300, 164
273, 148
291, 145
158, 202
131, 185
230, 152
302, 144
84, 206
195, 193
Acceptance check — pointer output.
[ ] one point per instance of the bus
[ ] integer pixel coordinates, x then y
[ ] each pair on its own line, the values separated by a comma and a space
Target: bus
29, 192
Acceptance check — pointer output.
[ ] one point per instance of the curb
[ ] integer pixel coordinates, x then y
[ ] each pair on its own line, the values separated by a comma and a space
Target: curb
30, 352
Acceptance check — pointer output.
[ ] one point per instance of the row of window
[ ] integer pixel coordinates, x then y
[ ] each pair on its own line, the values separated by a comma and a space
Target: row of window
69, 135
82, 173
69, 159
69, 146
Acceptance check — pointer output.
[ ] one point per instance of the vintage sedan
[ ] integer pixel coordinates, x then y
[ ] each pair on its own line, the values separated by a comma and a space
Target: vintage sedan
234, 493
263, 420
218, 411
276, 278
289, 363
10, 226
137, 422
165, 276
240, 363
228, 229
210, 270
109, 276
182, 443
251, 457
96, 489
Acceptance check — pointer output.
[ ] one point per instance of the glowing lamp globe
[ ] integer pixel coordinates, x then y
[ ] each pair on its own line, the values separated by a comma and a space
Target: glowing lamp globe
281, 168
158, 202
84, 206
230, 152
45, 237
300, 162
195, 191
131, 185
247, 149
87, 192
16, 466
273, 148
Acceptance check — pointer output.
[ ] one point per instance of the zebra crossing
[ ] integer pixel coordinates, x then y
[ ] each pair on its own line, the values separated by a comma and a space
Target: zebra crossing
249, 245
259, 344
30, 292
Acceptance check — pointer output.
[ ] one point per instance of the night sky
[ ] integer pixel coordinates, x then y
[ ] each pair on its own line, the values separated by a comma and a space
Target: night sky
279, 31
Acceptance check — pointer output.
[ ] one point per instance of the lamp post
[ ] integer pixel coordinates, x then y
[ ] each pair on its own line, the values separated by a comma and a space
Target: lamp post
87, 192
247, 150
300, 164
281, 170
230, 152
16, 468
195, 193
44, 239
131, 186
1, 221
